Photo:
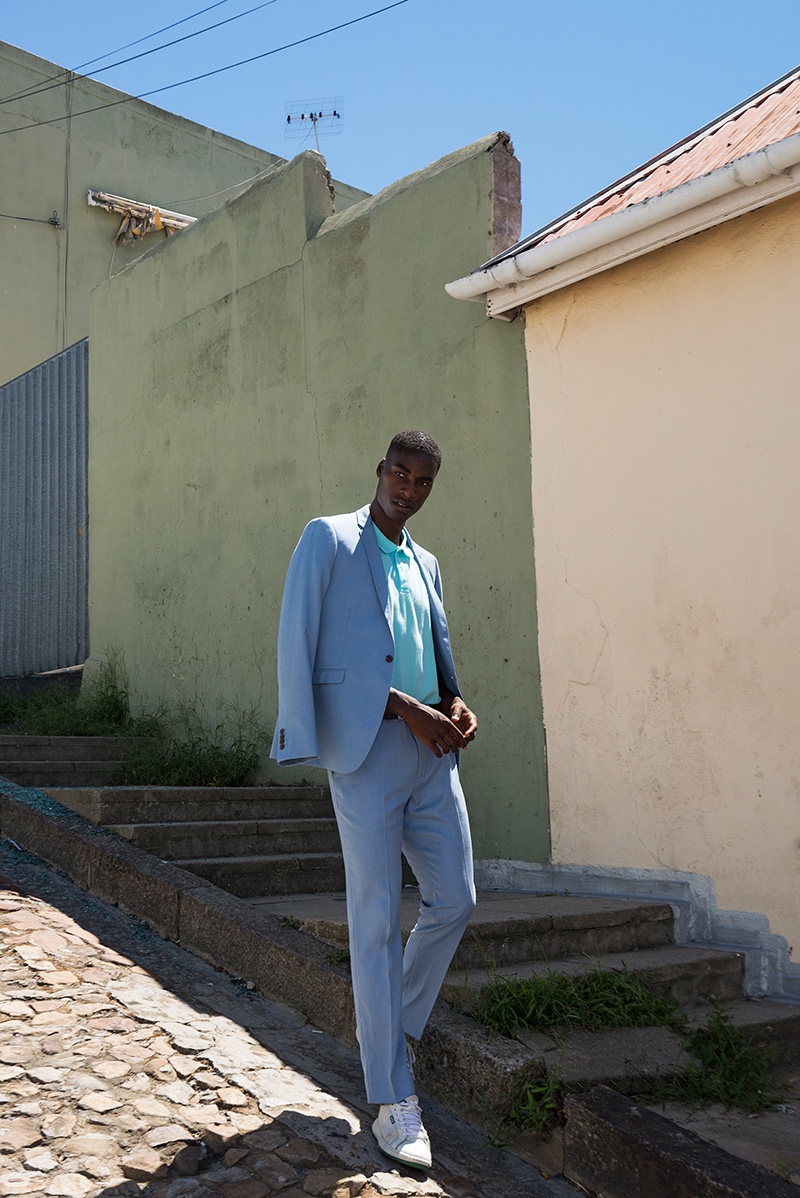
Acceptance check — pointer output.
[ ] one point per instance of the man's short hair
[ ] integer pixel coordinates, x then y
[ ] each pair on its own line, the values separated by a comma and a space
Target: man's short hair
413, 440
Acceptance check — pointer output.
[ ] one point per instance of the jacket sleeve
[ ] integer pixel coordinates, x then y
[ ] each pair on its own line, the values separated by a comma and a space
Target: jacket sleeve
304, 592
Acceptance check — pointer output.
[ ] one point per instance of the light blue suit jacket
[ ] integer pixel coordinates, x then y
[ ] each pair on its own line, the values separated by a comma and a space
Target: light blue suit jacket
335, 643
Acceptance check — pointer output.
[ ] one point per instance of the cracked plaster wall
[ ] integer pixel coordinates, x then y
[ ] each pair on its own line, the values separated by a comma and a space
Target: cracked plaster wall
248, 377
664, 428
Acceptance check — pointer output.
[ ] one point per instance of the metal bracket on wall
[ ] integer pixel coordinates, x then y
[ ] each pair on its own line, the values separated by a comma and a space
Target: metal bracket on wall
138, 218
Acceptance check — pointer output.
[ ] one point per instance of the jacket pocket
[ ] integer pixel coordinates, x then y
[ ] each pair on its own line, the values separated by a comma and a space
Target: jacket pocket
327, 674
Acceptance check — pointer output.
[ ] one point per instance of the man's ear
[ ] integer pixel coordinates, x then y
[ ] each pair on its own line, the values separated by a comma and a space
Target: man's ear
381, 465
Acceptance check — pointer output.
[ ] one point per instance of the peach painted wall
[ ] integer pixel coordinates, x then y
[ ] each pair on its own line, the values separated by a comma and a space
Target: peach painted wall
665, 432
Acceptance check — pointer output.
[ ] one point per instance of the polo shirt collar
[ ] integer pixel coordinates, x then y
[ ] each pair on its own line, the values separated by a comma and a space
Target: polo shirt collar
389, 547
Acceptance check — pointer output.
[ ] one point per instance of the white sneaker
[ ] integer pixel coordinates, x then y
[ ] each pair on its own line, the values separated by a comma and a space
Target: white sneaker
400, 1133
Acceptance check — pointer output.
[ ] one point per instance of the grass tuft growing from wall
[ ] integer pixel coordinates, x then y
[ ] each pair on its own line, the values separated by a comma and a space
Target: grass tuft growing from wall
535, 1102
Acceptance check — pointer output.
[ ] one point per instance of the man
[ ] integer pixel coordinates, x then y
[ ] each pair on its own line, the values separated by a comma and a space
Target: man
367, 689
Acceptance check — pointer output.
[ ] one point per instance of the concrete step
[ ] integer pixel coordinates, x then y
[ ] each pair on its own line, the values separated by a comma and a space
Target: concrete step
508, 928
773, 1025
63, 773
634, 1059
620, 1149
111, 806
270, 874
554, 927
18, 748
686, 975
232, 838
631, 1059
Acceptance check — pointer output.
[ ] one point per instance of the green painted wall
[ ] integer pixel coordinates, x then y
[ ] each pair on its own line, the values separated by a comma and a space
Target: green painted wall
132, 149
248, 377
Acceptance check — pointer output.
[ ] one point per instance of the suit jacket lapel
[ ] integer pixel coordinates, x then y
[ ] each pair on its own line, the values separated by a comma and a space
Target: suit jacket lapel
370, 543
441, 637
437, 610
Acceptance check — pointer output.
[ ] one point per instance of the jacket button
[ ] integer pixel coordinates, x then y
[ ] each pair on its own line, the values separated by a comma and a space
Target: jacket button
389, 657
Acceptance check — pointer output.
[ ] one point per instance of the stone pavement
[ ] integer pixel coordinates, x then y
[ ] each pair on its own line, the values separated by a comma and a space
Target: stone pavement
129, 1067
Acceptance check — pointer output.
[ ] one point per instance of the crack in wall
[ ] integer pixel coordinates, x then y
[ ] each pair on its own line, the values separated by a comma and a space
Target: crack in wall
593, 671
589, 681
564, 325
312, 394
260, 671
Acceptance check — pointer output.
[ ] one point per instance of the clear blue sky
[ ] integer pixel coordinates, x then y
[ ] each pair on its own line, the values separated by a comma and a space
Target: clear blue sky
587, 90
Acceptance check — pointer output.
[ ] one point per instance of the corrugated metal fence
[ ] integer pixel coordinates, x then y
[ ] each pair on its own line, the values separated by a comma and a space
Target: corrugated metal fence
44, 614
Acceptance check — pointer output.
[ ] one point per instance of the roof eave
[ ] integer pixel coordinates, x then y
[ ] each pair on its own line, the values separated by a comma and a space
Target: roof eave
748, 182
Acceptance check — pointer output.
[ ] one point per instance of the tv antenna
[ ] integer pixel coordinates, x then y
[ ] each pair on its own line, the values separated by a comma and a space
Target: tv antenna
320, 117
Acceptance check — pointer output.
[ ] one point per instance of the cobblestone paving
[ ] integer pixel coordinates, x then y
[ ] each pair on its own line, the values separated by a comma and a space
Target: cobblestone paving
129, 1067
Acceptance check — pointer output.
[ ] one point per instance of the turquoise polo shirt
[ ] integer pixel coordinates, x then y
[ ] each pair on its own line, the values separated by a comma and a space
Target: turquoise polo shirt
414, 670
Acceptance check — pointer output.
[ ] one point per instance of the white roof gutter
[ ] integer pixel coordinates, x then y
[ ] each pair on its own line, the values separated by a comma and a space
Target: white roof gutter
636, 230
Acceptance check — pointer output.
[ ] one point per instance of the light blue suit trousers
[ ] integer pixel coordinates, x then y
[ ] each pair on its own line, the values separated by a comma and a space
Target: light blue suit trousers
401, 797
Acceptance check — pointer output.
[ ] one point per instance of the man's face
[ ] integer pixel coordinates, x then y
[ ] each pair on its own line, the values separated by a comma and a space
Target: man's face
405, 480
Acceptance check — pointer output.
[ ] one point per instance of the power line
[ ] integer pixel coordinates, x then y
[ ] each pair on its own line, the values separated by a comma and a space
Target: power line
208, 74
242, 183
144, 53
82, 66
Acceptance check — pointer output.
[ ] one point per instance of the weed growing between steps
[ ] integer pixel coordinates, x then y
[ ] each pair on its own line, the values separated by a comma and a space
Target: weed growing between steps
594, 1000
195, 750
727, 1067
100, 708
